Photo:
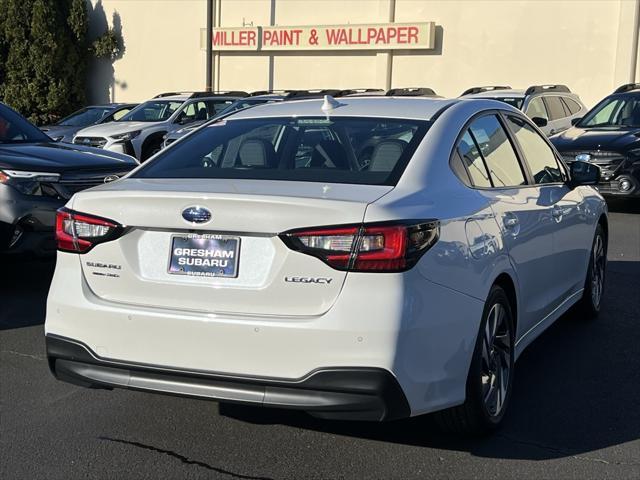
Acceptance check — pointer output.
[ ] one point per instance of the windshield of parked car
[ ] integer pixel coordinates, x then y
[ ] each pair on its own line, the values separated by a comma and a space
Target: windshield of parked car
513, 101
152, 111
84, 117
16, 129
368, 151
614, 111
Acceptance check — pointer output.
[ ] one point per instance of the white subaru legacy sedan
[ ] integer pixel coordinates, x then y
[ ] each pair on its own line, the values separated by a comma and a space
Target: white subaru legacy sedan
367, 258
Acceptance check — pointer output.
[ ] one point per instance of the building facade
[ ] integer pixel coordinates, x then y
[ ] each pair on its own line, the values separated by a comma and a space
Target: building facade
589, 45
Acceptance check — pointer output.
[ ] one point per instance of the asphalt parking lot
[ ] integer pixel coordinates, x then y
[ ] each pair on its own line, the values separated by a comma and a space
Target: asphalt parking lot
575, 411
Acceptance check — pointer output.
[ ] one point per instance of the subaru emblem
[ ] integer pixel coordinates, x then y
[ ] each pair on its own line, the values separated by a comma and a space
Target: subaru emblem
196, 214
583, 157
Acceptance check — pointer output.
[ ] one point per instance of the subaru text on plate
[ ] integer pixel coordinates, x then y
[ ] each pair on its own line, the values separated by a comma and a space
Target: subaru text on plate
368, 258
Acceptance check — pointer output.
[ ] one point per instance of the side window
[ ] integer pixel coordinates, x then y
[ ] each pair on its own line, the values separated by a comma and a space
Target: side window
119, 114
555, 108
472, 160
536, 108
538, 155
497, 151
216, 106
187, 114
573, 106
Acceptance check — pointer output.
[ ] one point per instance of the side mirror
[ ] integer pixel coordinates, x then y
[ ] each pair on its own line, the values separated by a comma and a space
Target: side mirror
583, 173
574, 121
185, 120
539, 121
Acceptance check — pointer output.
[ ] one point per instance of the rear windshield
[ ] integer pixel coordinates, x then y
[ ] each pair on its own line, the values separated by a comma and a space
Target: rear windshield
369, 151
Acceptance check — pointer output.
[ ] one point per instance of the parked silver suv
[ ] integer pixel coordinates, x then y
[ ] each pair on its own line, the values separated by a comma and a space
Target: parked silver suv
140, 133
551, 107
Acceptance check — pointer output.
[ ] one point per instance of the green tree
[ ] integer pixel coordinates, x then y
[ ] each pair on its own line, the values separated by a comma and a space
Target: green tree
44, 53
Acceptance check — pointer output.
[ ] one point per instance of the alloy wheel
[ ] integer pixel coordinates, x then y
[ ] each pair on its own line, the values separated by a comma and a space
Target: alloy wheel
598, 261
496, 360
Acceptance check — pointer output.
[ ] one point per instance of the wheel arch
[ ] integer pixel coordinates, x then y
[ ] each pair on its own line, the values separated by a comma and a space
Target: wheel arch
149, 141
604, 222
505, 282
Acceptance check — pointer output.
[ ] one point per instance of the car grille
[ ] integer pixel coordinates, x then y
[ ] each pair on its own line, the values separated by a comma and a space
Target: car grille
98, 142
73, 183
609, 162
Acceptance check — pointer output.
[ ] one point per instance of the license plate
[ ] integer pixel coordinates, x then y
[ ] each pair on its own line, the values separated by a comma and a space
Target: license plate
204, 255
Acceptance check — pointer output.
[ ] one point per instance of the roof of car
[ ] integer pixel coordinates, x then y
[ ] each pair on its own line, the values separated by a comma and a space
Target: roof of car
418, 108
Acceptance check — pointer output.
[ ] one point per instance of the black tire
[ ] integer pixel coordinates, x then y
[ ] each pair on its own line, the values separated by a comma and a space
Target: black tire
589, 305
474, 416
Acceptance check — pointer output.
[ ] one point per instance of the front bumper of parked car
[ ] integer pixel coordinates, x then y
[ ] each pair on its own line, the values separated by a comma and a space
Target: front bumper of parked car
620, 174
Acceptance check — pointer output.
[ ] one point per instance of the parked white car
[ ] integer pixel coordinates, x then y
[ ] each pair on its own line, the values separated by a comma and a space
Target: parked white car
371, 259
140, 133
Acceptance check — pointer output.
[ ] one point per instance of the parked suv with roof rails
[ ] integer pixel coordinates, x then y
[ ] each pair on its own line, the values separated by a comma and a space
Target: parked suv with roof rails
239, 104
609, 137
140, 133
267, 96
551, 107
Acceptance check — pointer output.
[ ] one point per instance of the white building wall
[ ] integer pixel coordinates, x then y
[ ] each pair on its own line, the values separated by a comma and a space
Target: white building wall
586, 44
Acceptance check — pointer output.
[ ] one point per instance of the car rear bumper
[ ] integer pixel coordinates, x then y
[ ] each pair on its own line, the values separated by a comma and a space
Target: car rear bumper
338, 393
407, 328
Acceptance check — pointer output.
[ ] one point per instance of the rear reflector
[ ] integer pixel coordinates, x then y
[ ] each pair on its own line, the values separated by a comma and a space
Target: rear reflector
80, 232
382, 247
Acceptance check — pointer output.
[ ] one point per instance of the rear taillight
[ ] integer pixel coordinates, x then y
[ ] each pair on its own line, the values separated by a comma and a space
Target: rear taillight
382, 247
79, 232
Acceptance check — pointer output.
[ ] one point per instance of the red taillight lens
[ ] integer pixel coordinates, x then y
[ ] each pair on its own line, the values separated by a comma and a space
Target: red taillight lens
79, 232
388, 247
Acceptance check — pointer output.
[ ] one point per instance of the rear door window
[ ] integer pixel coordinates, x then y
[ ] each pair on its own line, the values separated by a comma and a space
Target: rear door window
317, 149
498, 153
555, 108
536, 108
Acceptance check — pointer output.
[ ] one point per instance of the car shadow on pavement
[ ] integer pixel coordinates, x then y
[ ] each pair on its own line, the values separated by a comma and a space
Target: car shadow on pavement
576, 390
22, 284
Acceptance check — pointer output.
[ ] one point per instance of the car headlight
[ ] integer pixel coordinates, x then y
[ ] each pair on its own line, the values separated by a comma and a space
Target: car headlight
126, 136
27, 183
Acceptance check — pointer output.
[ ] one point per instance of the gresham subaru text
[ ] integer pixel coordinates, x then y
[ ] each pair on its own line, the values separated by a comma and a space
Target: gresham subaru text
392, 257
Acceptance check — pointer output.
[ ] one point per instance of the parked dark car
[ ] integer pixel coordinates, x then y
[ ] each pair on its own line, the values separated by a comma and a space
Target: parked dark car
38, 176
65, 129
609, 136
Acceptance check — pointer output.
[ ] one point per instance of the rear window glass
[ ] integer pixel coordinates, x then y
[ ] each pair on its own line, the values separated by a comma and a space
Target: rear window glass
369, 151
573, 106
